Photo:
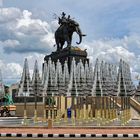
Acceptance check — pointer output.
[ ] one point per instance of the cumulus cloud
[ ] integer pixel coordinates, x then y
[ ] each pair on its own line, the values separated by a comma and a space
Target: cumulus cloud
112, 50
9, 14
21, 33
10, 43
10, 71
35, 56
1, 3
22, 37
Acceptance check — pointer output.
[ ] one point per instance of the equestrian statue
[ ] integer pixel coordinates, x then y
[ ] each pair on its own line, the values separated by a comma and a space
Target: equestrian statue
65, 31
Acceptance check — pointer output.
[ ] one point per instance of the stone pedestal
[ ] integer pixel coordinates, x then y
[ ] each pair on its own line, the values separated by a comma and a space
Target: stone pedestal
67, 54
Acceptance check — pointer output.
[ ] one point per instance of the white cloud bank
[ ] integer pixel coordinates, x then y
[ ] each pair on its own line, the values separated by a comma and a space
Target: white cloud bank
10, 71
112, 50
1, 3
22, 34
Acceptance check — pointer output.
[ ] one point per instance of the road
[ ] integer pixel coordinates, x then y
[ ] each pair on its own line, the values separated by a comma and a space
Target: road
5, 138
16, 121
13, 125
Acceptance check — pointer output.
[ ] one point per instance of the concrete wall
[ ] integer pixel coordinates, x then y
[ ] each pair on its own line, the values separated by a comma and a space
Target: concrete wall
30, 109
40, 107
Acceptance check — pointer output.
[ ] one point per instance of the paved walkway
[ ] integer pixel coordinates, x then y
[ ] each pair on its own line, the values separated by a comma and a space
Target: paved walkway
70, 131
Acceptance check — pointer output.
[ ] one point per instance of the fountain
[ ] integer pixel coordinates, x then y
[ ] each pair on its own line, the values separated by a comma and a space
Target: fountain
91, 95
25, 88
36, 88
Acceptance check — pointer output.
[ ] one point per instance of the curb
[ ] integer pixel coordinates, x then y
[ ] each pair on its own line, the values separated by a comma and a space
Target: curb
26, 135
72, 127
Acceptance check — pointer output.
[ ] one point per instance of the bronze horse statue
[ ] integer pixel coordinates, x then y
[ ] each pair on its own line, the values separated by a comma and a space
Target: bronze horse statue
65, 32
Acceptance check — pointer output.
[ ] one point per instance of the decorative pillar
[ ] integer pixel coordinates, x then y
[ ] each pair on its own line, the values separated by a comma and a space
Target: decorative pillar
86, 111
25, 111
93, 108
44, 108
77, 108
66, 117
103, 110
73, 111
58, 109
81, 110
52, 106
122, 111
107, 110
49, 112
35, 111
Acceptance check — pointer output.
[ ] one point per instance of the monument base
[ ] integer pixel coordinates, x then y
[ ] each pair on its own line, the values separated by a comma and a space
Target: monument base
67, 54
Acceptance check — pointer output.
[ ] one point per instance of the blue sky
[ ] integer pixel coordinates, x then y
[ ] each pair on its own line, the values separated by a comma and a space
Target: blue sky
100, 19
27, 28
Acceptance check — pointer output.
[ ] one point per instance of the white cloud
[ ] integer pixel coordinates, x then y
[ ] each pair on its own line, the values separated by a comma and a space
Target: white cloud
10, 43
1, 3
14, 68
112, 50
10, 71
35, 56
23, 33
27, 14
54, 24
9, 14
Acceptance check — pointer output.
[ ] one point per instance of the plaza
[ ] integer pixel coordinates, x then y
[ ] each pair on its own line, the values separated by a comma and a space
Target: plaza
55, 82
105, 97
